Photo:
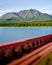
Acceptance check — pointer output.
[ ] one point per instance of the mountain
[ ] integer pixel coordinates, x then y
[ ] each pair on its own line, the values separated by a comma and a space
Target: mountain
26, 15
51, 14
11, 17
32, 15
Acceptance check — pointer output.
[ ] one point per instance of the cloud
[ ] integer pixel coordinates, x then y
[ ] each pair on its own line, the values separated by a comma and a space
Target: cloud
3, 12
6, 11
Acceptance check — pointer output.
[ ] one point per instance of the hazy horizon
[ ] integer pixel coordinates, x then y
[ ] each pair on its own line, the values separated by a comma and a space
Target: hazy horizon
44, 6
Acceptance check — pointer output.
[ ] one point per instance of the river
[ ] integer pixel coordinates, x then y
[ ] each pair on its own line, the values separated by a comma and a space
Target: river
10, 34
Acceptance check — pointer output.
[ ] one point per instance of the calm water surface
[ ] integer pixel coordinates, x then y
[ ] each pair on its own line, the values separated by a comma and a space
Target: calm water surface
9, 34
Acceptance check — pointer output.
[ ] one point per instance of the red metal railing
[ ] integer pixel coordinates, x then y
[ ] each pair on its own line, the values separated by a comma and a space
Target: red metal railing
16, 50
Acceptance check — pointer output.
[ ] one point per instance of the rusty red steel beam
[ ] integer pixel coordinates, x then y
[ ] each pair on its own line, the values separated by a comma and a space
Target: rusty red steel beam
43, 55
35, 58
13, 50
28, 59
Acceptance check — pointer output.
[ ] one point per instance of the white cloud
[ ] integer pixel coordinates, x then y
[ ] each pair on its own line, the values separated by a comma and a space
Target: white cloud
3, 12
6, 11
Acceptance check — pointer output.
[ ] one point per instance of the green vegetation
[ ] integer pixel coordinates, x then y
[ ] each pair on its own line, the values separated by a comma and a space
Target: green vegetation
26, 24
47, 60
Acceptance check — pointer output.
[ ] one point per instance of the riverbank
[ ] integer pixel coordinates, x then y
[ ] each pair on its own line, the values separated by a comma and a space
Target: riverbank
27, 24
47, 60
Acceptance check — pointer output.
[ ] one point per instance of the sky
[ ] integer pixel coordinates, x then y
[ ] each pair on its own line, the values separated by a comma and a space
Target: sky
6, 6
